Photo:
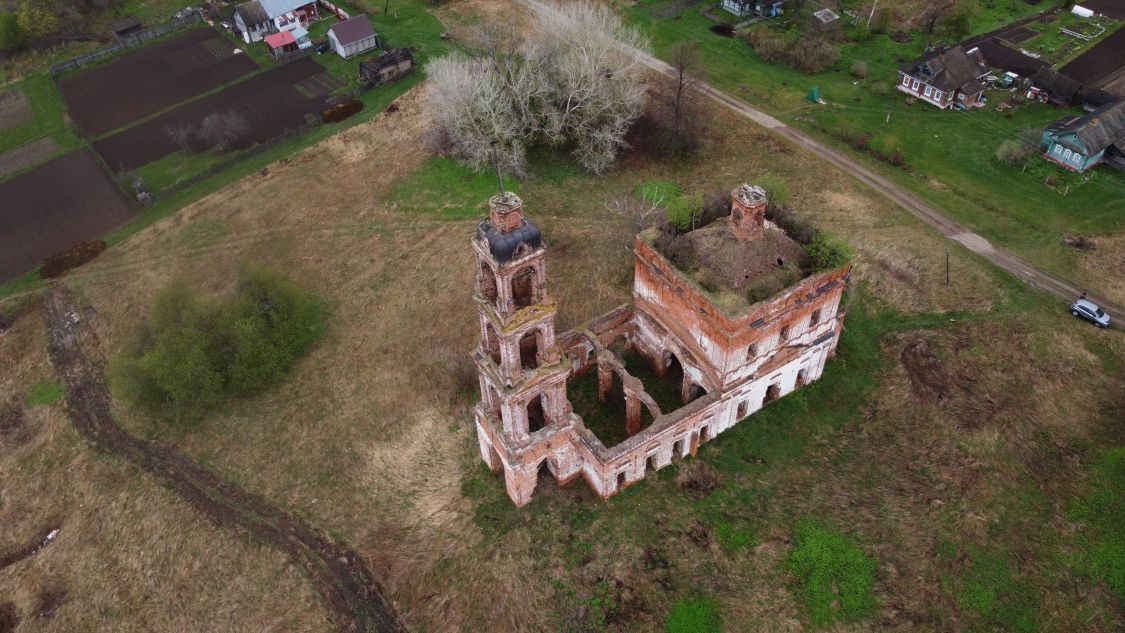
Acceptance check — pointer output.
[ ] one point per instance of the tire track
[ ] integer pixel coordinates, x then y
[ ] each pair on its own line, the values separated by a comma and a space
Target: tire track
352, 594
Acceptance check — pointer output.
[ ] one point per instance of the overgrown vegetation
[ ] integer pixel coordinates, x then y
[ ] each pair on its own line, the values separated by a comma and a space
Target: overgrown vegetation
195, 351
1102, 511
45, 392
693, 615
827, 252
835, 577
807, 53
989, 589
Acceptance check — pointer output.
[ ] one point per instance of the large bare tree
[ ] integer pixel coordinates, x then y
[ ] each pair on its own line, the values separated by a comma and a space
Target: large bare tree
572, 82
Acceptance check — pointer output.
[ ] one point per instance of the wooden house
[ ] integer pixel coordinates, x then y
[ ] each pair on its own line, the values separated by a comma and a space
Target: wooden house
1080, 142
946, 79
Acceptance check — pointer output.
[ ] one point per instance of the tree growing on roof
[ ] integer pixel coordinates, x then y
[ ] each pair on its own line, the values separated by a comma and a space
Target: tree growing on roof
571, 83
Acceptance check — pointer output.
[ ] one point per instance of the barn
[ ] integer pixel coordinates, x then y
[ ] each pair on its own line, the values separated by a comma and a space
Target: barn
352, 36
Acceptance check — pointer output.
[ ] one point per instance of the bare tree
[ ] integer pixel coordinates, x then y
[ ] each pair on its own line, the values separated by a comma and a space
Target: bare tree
222, 129
571, 83
685, 126
638, 213
180, 135
932, 16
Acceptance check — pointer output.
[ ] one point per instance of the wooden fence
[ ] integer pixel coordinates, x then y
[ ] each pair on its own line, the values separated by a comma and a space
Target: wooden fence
252, 151
127, 41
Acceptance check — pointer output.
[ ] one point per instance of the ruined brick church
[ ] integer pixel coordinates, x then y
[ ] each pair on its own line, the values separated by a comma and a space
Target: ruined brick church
724, 364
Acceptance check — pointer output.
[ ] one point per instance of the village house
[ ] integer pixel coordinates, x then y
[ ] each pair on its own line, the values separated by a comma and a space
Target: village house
1081, 142
256, 19
673, 368
946, 79
764, 8
352, 36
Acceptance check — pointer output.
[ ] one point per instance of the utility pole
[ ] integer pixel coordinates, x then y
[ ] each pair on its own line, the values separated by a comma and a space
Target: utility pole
947, 266
873, 5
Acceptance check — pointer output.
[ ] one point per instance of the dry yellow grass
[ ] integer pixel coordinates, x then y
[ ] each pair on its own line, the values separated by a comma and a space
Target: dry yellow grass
370, 437
129, 555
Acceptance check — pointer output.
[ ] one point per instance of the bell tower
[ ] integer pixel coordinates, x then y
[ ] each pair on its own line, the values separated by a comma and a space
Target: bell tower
522, 372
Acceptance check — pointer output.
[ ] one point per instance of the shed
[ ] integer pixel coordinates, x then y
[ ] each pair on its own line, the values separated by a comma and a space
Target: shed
1061, 90
352, 36
125, 26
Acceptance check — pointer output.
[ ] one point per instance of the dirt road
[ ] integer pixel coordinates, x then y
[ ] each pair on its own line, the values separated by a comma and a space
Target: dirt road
900, 195
353, 596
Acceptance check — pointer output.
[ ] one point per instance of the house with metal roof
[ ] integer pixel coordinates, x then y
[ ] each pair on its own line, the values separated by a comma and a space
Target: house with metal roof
258, 18
946, 78
763, 8
352, 36
1080, 142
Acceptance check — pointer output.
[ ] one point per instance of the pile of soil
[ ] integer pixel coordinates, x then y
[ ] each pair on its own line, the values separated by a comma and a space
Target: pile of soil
902, 37
739, 264
59, 264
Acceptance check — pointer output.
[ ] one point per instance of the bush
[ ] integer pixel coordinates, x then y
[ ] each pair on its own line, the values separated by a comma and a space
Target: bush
880, 88
59, 264
807, 54
794, 225
341, 111
1014, 152
715, 205
195, 351
835, 576
693, 615
859, 69
12, 36
684, 212
827, 252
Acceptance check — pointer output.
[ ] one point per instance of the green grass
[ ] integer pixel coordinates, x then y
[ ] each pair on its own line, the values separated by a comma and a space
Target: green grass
658, 190
1102, 511
447, 188
951, 155
168, 171
45, 392
693, 615
834, 575
989, 589
50, 116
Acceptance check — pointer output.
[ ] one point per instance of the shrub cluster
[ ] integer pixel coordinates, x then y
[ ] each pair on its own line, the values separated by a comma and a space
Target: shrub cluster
825, 251
807, 54
862, 141
194, 351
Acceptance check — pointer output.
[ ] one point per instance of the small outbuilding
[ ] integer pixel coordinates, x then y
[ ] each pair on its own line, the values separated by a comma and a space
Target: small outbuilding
125, 27
352, 36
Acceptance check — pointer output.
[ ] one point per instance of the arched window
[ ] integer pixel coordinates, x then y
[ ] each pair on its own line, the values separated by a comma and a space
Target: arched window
487, 283
491, 343
529, 350
523, 288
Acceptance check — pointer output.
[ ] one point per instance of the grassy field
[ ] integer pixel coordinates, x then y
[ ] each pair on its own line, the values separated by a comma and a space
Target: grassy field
950, 156
939, 455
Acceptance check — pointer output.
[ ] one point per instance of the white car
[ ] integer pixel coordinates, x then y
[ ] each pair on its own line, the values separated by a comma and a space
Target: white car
1090, 311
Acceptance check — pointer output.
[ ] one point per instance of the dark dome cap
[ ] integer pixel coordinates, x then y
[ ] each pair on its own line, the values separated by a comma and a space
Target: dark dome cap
503, 246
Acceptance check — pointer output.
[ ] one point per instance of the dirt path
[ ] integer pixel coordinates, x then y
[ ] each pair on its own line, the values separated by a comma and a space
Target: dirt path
1019, 267
353, 596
